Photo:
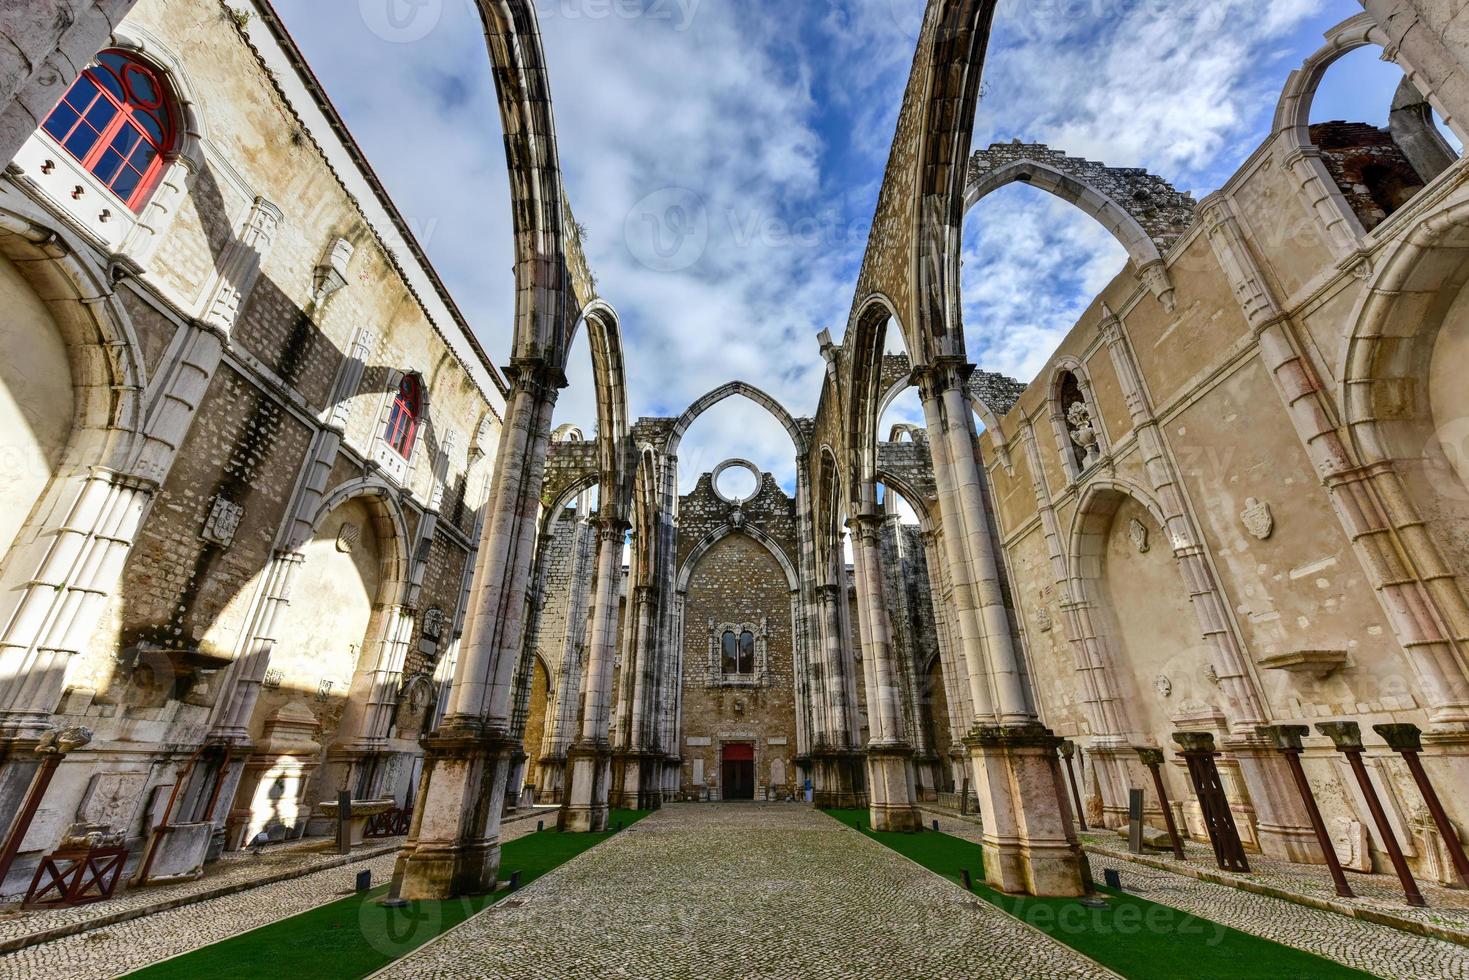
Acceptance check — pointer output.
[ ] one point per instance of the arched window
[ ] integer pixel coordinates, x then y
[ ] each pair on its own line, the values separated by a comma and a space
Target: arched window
730, 654
115, 119
747, 653
403, 420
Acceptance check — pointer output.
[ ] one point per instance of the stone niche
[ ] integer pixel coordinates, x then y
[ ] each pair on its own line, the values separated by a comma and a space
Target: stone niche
272, 797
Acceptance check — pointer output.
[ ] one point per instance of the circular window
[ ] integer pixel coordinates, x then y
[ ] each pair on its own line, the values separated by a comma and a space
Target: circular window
736, 481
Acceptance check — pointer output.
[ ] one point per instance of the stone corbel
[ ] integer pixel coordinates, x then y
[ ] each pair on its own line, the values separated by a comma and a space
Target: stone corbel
1155, 276
331, 275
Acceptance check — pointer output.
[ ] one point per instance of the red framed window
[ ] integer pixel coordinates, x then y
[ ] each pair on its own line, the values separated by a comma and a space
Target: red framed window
403, 420
115, 119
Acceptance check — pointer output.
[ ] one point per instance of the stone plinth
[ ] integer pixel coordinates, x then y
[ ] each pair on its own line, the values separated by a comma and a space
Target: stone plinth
590, 767
454, 846
890, 788
1029, 845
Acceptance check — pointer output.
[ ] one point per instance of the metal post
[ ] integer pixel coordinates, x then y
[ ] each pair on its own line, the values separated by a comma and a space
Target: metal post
1153, 758
1407, 740
1198, 752
1067, 752
1347, 735
344, 822
1287, 739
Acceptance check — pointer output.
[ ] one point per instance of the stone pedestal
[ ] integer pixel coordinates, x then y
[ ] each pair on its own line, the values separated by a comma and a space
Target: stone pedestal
640, 785
590, 767
453, 848
362, 812
1029, 845
1283, 824
890, 788
550, 772
838, 779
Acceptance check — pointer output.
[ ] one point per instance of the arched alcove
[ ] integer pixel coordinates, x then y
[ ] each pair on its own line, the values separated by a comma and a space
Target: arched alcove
36, 399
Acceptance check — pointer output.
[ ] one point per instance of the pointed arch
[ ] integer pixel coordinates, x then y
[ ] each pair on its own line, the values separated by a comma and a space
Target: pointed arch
754, 534
1092, 200
610, 377
866, 399
382, 500
733, 389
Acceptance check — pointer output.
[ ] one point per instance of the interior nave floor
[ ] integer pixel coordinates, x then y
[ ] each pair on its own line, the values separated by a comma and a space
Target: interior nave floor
734, 890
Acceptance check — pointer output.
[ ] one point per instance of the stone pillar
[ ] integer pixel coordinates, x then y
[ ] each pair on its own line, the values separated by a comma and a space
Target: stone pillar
1029, 843
639, 779
43, 47
834, 757
589, 761
453, 846
58, 608
561, 720
1112, 731
890, 782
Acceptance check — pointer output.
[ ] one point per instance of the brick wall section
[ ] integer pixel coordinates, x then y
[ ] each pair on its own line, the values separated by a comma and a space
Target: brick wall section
1372, 172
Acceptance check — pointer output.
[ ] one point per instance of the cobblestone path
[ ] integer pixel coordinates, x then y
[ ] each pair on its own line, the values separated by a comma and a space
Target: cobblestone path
113, 950
1368, 946
742, 891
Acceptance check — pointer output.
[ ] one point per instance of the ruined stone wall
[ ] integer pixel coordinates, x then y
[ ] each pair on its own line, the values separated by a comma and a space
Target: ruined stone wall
149, 682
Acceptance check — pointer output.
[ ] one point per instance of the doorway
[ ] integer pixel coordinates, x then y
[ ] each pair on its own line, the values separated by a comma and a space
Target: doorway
737, 770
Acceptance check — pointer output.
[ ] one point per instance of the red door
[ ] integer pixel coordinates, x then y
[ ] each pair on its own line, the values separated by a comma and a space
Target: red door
738, 771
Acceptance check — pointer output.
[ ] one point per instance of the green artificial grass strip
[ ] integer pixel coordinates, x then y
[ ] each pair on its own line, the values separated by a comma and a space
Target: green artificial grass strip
356, 936
1137, 938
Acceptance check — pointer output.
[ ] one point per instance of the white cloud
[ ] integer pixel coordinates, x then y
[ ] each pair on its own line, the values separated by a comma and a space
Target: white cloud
774, 122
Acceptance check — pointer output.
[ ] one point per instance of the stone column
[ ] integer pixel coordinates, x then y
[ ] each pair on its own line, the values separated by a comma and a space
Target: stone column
58, 608
561, 722
890, 782
956, 691
1111, 728
43, 47
589, 761
834, 757
637, 765
453, 846
1029, 842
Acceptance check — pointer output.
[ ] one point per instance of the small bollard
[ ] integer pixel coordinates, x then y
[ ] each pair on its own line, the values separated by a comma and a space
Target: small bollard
935, 826
515, 881
364, 881
540, 826
1112, 878
968, 882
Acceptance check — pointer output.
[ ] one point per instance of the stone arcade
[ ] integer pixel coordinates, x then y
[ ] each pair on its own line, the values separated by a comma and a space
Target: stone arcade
277, 528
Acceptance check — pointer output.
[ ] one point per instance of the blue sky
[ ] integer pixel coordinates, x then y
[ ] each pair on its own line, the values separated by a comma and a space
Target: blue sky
724, 156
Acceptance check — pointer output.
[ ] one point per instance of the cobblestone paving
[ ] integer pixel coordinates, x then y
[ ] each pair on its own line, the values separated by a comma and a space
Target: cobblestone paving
116, 949
742, 891
1378, 949
236, 868
1447, 908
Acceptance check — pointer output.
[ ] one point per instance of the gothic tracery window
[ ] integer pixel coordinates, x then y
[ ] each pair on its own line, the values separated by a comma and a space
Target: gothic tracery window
405, 416
116, 120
